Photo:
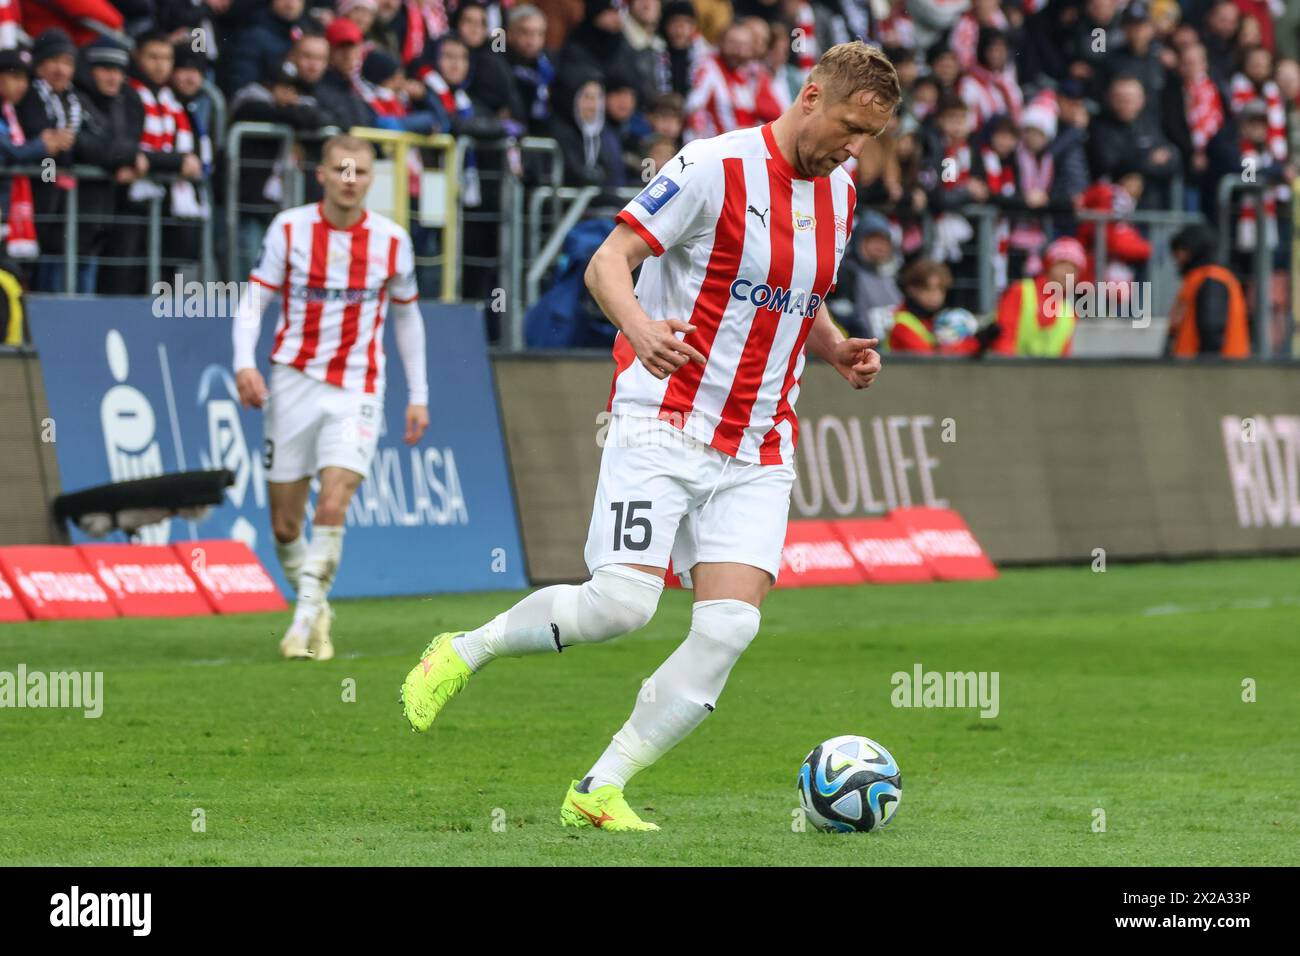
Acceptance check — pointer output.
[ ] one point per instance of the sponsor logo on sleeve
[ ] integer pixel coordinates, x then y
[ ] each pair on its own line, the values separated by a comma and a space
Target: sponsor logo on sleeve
653, 197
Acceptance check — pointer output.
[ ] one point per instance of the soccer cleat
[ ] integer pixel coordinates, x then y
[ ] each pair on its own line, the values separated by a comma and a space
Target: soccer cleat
439, 676
319, 645
604, 809
294, 644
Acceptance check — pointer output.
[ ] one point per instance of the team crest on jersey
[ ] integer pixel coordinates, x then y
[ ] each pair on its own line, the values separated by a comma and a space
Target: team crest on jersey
804, 222
653, 197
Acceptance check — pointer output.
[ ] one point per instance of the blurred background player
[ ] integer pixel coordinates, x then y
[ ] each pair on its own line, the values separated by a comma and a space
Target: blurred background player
335, 266
698, 459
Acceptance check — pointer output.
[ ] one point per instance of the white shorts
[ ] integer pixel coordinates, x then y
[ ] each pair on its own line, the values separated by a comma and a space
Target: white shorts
664, 494
311, 425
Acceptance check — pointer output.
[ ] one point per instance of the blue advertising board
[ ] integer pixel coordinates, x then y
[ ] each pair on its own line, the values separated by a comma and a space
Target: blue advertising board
132, 394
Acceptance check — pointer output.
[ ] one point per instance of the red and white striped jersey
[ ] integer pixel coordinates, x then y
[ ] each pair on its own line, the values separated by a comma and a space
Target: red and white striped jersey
746, 252
335, 285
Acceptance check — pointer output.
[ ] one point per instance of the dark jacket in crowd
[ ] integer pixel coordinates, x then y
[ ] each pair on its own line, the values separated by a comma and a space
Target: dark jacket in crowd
1116, 148
580, 168
254, 104
339, 101
111, 127
255, 50
37, 113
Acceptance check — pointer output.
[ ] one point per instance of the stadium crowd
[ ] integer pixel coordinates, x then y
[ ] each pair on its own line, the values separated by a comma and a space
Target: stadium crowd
1041, 108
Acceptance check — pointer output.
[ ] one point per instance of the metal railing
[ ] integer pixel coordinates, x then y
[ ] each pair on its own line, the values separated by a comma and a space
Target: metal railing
446, 215
154, 222
292, 171
1253, 196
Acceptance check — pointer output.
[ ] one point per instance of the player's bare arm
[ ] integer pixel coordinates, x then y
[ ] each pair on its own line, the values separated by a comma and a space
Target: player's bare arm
856, 359
609, 278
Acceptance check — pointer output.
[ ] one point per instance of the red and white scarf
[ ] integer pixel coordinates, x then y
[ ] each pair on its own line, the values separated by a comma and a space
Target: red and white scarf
166, 130
1244, 92
1248, 212
966, 36
988, 94
1204, 110
722, 100
20, 231
385, 102
413, 42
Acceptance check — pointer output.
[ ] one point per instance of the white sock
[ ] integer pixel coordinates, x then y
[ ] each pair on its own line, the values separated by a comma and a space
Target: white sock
681, 693
317, 575
292, 554
615, 601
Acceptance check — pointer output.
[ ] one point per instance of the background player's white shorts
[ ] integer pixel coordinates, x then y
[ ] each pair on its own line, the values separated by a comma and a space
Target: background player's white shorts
311, 425
663, 494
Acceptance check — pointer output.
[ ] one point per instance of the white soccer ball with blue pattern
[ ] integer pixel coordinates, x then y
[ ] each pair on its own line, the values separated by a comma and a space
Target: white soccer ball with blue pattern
955, 325
849, 784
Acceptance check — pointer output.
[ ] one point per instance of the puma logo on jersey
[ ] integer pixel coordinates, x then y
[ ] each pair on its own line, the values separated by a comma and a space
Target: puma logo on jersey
682, 160
762, 216
776, 298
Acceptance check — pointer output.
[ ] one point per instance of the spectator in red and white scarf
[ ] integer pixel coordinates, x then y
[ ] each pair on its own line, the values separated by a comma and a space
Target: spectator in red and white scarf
1205, 128
1203, 104
1264, 167
398, 28
166, 147
1255, 83
730, 90
990, 86
19, 225
965, 36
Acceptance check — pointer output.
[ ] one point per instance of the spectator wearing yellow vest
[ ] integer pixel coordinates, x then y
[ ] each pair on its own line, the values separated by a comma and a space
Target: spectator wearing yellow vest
1209, 317
1036, 316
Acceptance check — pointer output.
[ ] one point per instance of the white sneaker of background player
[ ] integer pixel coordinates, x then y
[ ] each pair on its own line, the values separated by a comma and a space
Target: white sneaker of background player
293, 646
319, 645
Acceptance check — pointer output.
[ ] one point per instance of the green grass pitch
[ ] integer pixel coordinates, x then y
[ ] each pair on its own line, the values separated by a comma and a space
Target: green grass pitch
1119, 691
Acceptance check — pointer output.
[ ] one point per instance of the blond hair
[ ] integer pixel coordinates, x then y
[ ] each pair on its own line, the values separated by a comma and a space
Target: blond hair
849, 68
346, 142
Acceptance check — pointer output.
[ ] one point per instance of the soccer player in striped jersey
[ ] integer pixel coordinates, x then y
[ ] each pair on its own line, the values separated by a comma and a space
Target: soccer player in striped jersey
335, 271
739, 239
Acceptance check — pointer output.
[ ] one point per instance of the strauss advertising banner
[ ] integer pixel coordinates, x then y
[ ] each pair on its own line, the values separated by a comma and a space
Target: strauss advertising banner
133, 395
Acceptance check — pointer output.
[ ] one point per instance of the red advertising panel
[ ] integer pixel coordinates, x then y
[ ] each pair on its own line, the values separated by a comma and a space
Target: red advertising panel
53, 583
815, 555
946, 543
884, 549
230, 576
11, 609
145, 580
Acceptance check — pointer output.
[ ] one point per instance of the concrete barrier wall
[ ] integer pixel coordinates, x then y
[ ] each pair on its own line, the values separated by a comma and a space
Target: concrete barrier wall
1047, 461
29, 473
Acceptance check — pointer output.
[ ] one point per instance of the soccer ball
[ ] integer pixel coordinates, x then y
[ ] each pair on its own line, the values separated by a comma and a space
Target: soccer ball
954, 325
849, 784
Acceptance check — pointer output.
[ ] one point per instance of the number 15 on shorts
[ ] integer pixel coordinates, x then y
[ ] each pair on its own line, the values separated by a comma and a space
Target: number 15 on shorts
628, 525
